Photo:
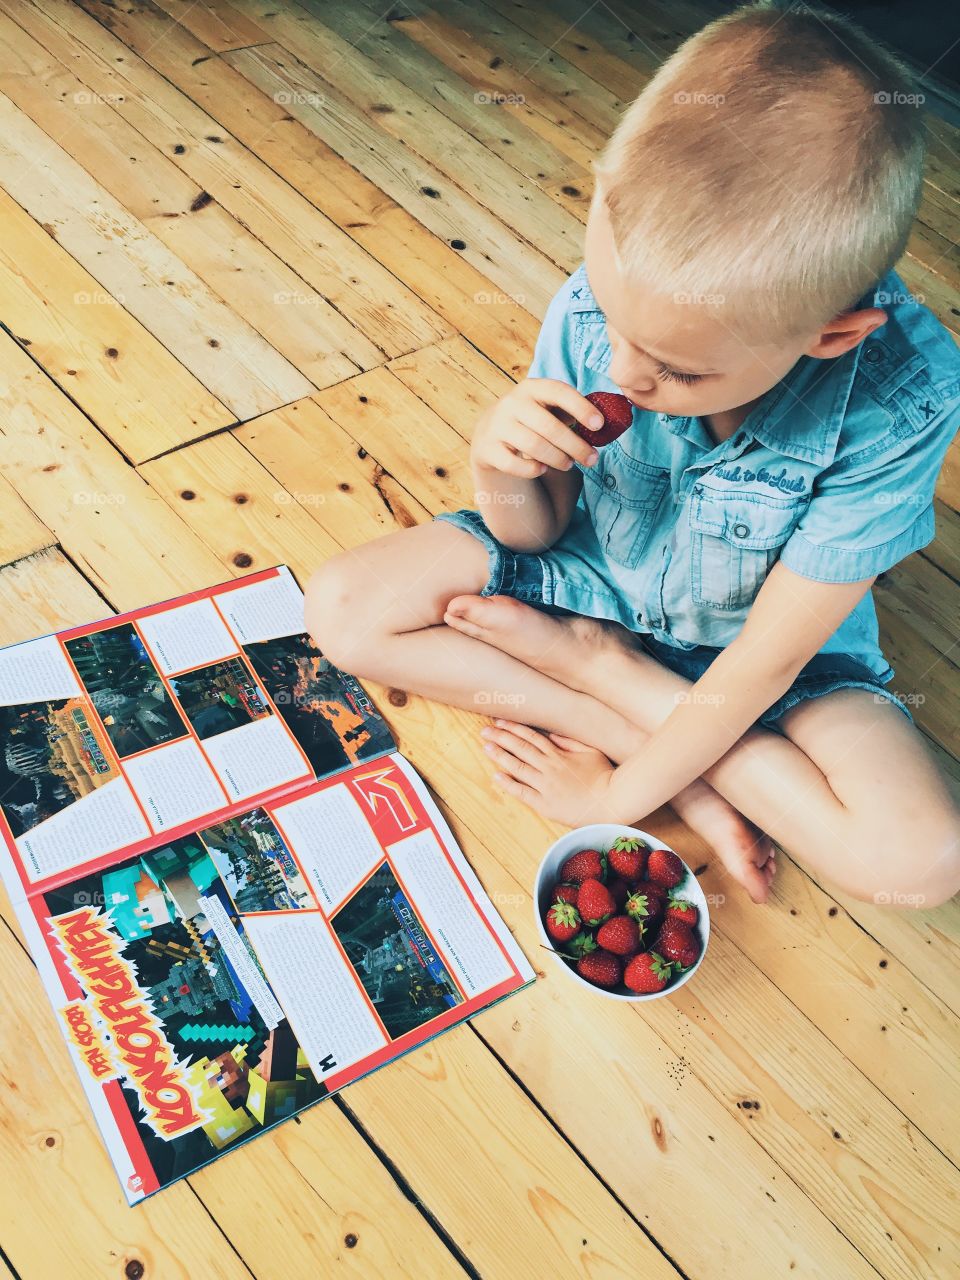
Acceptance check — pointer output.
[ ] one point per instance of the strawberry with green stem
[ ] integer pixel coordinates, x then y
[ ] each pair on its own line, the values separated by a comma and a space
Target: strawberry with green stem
665, 868
595, 903
646, 902
647, 973
562, 922
565, 893
682, 911
627, 857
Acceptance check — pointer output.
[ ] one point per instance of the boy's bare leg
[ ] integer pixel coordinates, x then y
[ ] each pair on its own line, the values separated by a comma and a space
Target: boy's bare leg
851, 789
378, 611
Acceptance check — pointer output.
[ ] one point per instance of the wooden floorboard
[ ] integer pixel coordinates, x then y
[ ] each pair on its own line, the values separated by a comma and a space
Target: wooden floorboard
265, 262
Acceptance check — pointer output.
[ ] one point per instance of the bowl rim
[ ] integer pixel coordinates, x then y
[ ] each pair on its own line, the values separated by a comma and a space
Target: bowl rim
603, 833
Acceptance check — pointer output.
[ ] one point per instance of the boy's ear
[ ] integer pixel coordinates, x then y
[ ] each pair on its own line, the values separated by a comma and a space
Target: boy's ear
846, 332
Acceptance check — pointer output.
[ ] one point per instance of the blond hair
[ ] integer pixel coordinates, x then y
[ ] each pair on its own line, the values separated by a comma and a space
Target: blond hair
770, 170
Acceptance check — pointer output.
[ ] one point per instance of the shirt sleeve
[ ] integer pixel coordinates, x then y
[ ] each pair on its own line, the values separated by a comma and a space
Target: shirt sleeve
554, 355
863, 519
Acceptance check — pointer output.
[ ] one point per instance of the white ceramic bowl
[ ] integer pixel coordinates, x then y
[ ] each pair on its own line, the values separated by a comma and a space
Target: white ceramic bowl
600, 836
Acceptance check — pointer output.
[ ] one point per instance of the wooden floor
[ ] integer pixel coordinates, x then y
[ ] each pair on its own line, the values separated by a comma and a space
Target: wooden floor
262, 264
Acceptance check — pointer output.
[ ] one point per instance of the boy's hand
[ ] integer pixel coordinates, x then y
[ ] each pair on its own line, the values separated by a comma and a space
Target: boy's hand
524, 433
559, 777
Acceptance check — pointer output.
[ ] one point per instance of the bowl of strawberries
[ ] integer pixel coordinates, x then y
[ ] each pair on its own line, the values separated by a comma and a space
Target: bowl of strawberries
621, 911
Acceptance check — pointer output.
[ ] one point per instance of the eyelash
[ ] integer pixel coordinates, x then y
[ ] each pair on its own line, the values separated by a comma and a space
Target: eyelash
667, 374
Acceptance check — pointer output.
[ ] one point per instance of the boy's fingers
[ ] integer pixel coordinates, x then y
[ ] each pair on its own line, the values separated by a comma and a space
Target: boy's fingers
560, 395
507, 733
527, 441
504, 459
569, 744
514, 766
549, 426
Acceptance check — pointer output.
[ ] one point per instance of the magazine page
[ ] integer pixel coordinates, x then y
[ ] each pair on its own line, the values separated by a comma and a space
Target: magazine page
143, 724
222, 981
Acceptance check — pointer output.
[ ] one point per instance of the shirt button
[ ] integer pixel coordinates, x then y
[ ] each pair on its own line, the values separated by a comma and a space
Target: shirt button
610, 482
741, 530
873, 354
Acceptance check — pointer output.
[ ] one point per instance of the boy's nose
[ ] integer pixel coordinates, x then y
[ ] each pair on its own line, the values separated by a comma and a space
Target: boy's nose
629, 369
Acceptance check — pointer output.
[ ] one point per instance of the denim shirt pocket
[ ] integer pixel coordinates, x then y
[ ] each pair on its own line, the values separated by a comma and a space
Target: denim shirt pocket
622, 495
735, 540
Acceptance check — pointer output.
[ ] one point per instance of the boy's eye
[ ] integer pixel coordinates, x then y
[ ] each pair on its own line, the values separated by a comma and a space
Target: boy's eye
671, 375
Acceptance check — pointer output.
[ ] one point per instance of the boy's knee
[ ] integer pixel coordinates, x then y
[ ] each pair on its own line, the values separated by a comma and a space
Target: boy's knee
335, 596
921, 870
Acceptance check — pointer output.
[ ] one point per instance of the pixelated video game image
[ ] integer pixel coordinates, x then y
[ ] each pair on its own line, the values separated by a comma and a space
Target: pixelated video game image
392, 955
126, 689
327, 711
259, 870
143, 929
54, 754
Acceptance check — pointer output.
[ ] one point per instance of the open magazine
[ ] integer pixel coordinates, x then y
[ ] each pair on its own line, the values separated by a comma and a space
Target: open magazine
239, 896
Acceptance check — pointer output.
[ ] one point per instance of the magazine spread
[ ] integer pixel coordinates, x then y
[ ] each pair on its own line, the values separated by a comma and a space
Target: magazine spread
240, 897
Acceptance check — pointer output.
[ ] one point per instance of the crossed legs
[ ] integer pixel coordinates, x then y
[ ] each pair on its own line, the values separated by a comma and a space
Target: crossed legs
849, 788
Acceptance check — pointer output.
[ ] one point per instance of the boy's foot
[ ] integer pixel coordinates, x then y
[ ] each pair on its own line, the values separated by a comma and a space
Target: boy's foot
746, 852
560, 647
564, 648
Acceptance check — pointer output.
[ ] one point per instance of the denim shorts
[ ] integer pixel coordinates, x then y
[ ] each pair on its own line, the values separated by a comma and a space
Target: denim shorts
530, 577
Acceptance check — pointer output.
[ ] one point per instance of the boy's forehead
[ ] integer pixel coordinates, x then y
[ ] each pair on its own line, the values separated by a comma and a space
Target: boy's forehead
676, 330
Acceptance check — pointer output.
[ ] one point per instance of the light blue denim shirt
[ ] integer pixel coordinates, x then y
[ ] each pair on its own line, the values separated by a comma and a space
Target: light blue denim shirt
832, 472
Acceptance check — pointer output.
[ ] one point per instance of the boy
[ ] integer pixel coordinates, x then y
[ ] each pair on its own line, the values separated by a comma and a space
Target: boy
686, 613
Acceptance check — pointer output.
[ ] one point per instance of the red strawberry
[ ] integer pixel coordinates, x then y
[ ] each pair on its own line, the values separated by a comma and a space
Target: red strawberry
565, 893
681, 910
665, 868
562, 922
621, 935
595, 902
617, 417
678, 942
647, 972
646, 902
620, 890
602, 968
588, 864
627, 856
